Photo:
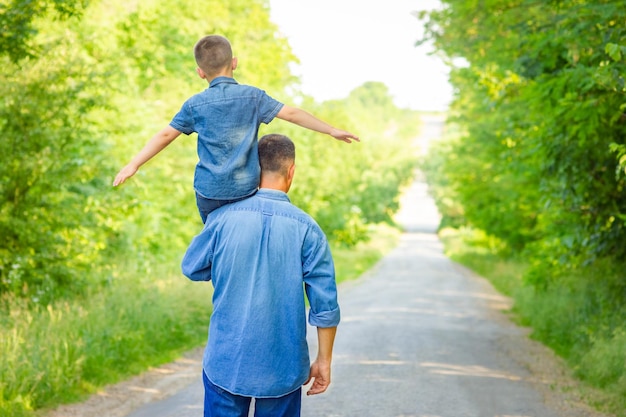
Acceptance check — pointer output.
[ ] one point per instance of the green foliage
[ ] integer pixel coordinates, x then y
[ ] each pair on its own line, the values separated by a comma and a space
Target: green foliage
346, 187
435, 166
351, 262
52, 216
116, 71
582, 319
18, 23
67, 119
540, 106
70, 348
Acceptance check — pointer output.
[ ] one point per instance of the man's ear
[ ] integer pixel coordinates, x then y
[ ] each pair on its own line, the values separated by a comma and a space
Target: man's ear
234, 63
292, 171
201, 73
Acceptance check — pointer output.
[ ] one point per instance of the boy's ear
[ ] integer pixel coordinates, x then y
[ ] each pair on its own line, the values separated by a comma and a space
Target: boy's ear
234, 63
201, 73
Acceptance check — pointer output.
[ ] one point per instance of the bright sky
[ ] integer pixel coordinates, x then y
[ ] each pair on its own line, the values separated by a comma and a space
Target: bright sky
342, 44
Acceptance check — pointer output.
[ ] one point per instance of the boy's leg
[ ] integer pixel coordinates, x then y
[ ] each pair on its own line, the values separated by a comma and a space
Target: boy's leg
207, 205
286, 406
220, 403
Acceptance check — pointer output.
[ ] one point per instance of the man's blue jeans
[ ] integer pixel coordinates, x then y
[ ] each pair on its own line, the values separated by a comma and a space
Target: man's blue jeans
220, 403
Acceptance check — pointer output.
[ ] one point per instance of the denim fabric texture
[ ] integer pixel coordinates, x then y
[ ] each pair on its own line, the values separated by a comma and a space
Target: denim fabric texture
226, 116
259, 252
206, 206
221, 403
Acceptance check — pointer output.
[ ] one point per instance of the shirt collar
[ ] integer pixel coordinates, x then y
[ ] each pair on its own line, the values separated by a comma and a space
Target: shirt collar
222, 79
272, 194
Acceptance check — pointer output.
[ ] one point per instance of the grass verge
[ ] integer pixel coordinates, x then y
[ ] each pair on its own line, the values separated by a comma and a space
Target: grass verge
64, 351
351, 262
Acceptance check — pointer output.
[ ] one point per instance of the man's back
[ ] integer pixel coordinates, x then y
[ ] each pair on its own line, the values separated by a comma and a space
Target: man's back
261, 250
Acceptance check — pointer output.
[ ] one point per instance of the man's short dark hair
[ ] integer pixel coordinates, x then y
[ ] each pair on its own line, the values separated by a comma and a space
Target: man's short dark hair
276, 153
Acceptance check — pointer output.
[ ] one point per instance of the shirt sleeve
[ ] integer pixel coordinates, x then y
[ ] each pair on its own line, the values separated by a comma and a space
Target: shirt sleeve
268, 108
183, 120
319, 281
198, 258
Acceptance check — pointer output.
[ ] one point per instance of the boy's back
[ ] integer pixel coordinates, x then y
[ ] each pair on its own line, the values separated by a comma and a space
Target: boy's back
226, 116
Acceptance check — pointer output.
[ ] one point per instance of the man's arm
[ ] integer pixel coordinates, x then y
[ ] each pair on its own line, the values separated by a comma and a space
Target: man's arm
324, 313
198, 259
153, 147
308, 121
320, 369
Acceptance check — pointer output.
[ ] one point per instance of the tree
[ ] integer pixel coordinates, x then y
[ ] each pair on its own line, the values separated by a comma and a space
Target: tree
103, 77
541, 105
18, 23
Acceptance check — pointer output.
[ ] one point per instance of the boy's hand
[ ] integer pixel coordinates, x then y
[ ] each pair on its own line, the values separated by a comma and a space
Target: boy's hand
153, 147
343, 136
126, 172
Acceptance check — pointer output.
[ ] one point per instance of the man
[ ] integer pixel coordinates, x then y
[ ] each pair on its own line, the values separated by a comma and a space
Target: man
258, 252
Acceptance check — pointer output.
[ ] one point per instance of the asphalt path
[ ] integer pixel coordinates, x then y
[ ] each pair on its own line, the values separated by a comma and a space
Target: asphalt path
420, 336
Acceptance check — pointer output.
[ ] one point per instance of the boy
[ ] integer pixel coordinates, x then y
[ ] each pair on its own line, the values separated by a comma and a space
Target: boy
226, 116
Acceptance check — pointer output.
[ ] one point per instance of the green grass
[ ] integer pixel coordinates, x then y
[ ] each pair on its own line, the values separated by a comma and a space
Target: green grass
63, 352
481, 254
579, 316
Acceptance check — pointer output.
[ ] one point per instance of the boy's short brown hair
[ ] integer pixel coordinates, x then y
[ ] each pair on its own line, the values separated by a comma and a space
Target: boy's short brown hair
213, 53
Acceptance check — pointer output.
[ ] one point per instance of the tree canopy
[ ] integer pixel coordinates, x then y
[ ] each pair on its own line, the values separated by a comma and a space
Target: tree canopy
86, 84
541, 102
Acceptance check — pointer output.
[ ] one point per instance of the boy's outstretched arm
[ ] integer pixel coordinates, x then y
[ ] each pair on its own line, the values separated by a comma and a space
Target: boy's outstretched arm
153, 147
307, 120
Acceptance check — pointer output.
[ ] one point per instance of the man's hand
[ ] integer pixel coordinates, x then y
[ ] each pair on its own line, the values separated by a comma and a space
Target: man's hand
344, 136
320, 373
126, 172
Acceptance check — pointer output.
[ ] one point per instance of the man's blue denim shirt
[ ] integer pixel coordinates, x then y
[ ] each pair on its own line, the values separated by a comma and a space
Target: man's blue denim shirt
226, 116
258, 252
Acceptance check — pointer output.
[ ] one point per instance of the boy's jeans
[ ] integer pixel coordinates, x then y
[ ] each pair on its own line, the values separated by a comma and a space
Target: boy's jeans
207, 205
220, 403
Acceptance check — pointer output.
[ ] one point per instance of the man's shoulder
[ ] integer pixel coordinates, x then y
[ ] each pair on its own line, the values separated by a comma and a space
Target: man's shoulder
274, 204
290, 210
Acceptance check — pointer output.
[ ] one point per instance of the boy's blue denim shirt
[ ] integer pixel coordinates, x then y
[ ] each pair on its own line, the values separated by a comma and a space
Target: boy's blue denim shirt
226, 116
259, 252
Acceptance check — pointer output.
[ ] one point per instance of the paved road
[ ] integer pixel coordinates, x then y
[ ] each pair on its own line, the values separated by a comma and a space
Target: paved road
420, 337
